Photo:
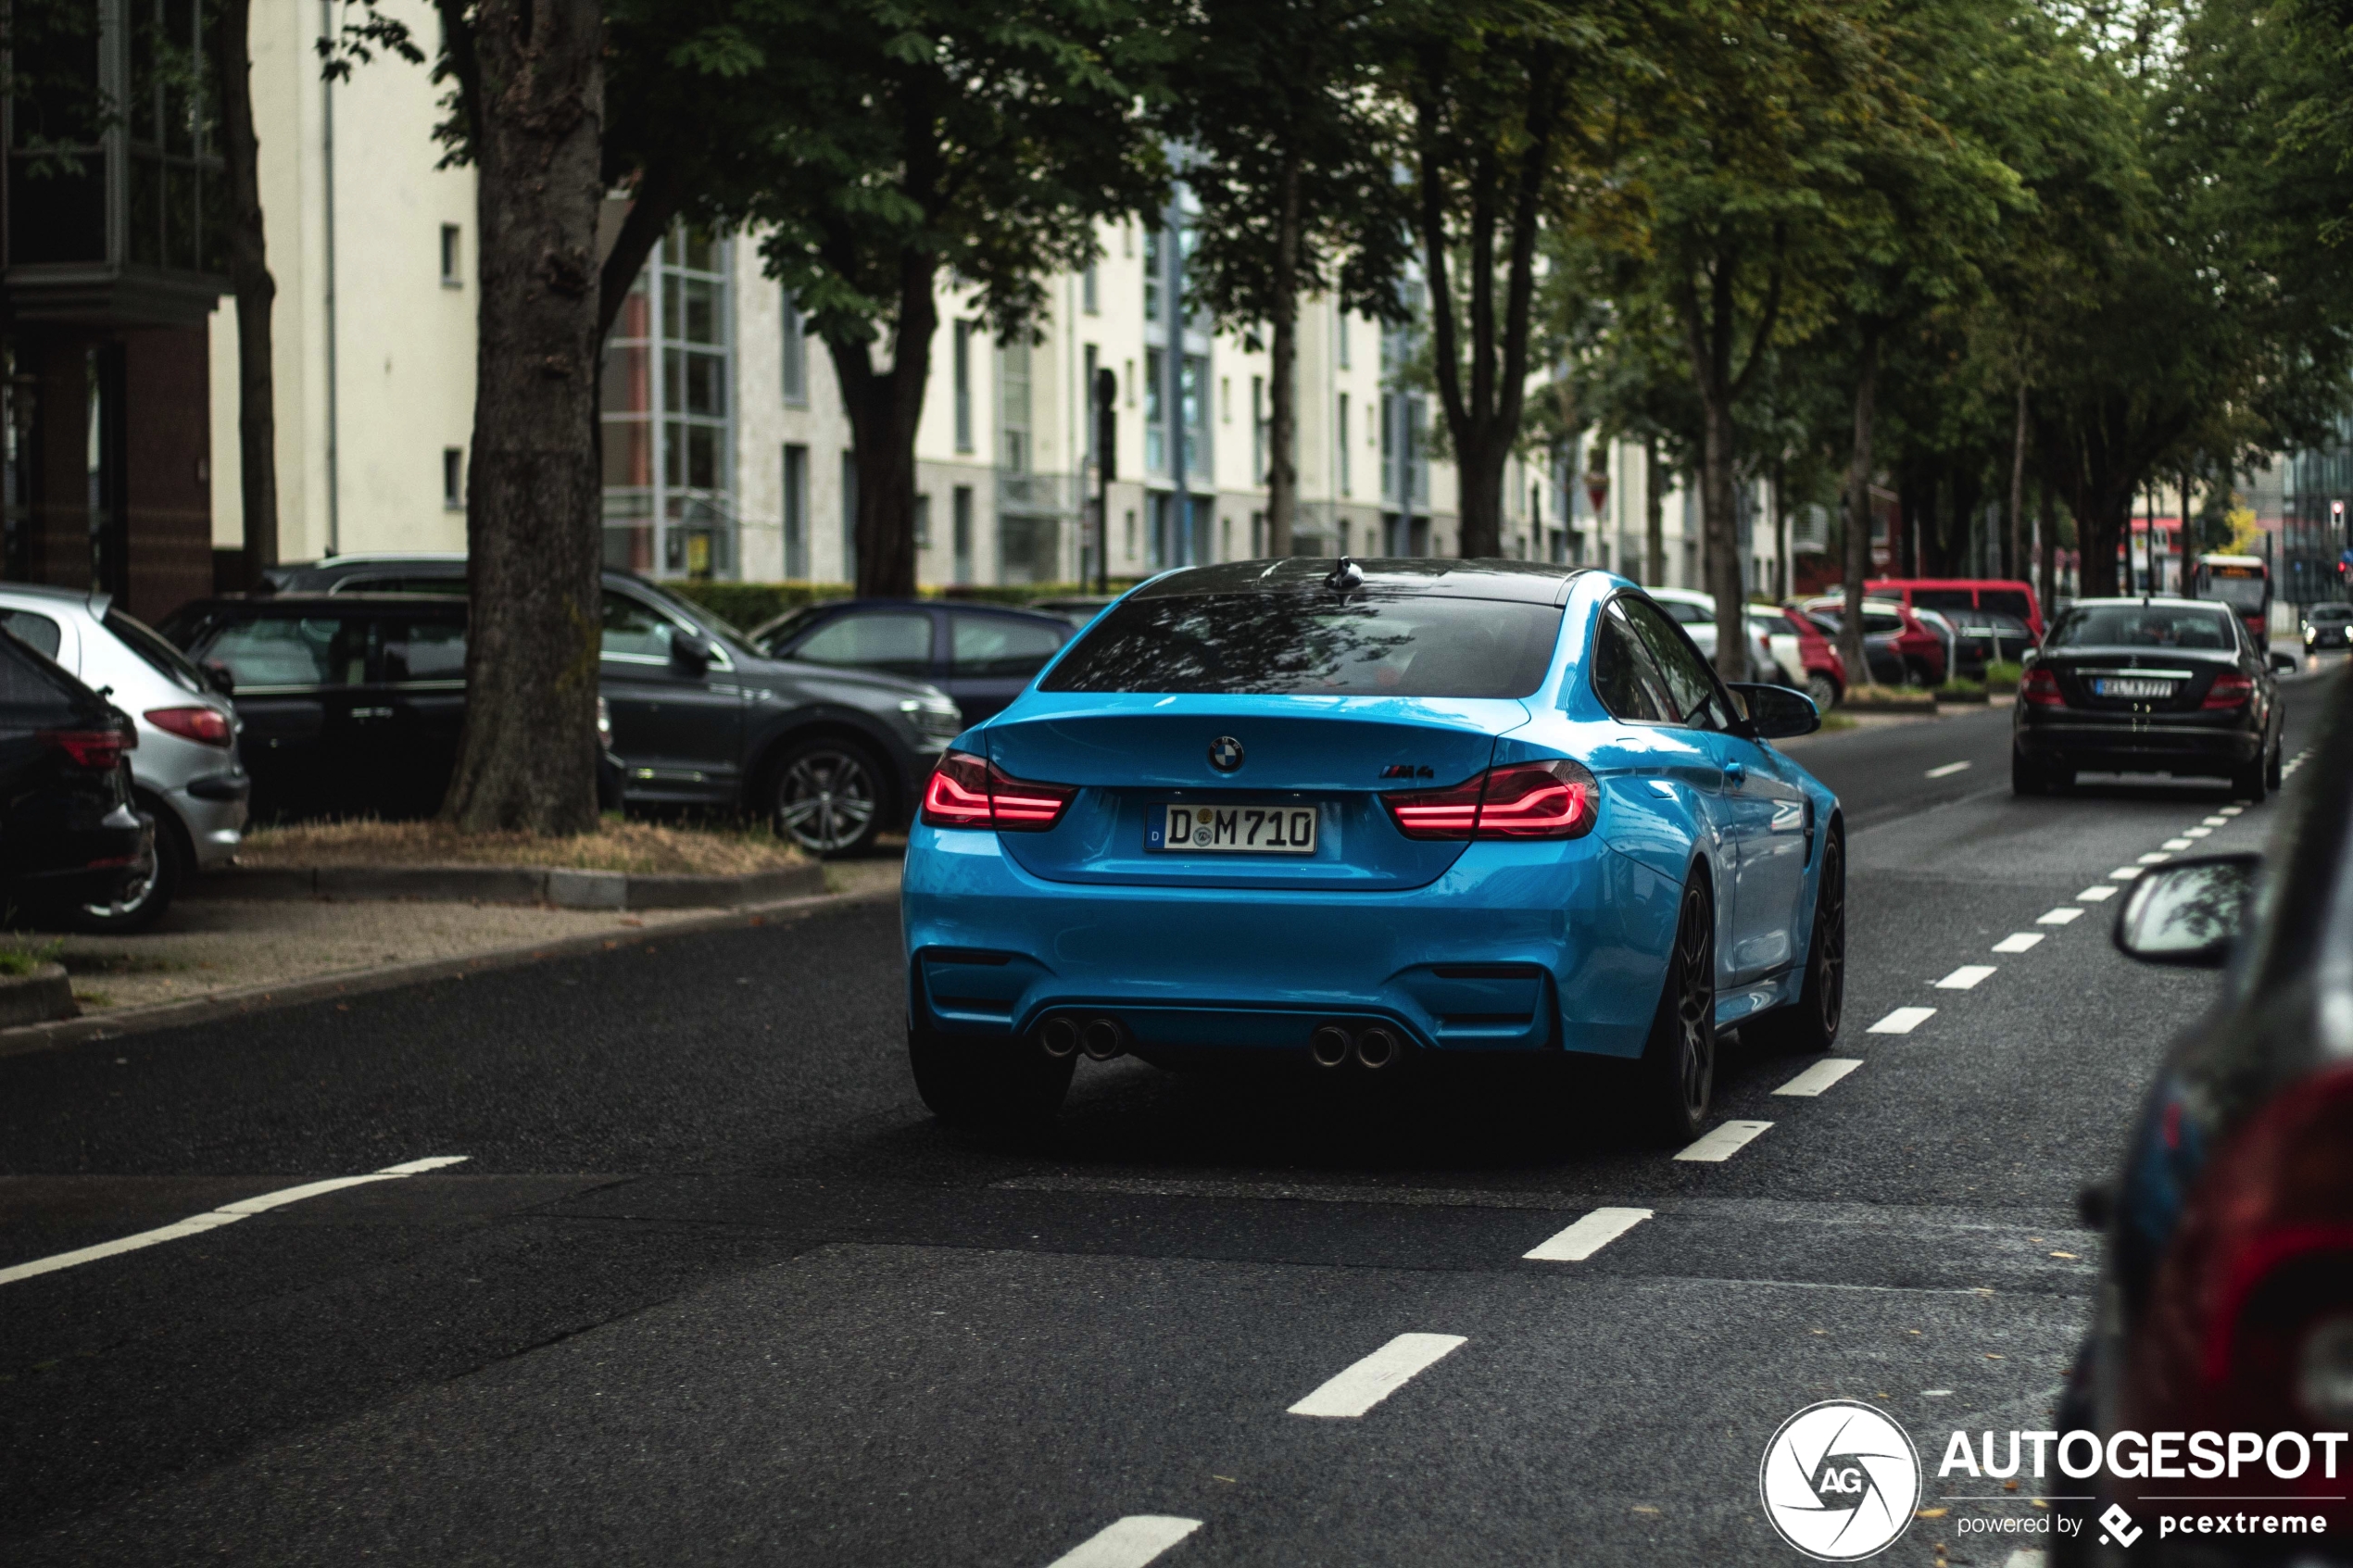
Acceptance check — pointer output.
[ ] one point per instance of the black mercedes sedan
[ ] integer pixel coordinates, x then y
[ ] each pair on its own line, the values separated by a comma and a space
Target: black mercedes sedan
2148, 686
2225, 1309
353, 698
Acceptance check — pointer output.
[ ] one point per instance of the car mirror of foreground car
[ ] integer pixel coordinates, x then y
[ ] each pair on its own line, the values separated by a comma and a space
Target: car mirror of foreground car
2188, 913
689, 653
2283, 661
1777, 712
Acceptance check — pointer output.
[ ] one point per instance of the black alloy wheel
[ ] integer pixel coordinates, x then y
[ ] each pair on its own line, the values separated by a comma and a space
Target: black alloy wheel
1677, 1067
827, 796
1810, 1024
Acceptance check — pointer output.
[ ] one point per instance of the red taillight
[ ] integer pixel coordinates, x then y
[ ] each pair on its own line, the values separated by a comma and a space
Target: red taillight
1522, 800
2230, 689
2041, 687
101, 749
207, 725
966, 791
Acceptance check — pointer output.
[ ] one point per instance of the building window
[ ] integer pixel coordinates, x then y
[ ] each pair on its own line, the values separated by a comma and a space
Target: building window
1343, 340
849, 515
796, 354
1342, 443
796, 513
1087, 402
1131, 533
1192, 397
1258, 465
1089, 286
1151, 274
669, 426
453, 478
450, 276
923, 521
1155, 422
1225, 538
1131, 383
1012, 407
963, 379
1225, 398
962, 522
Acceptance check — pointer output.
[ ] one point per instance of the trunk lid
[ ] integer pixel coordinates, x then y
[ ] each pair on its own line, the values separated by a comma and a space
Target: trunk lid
1131, 754
2122, 680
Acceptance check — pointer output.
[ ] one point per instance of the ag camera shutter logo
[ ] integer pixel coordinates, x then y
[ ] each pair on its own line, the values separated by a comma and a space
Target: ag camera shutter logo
1840, 1481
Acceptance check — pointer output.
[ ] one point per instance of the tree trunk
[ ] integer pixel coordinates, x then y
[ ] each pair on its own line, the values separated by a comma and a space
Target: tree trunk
1856, 567
2014, 556
256, 290
530, 82
1719, 527
1654, 516
1781, 537
885, 408
1478, 493
1281, 477
2046, 541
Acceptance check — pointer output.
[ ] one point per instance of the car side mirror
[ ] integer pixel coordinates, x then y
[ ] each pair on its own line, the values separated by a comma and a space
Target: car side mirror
689, 653
2189, 913
1777, 712
216, 676
2283, 661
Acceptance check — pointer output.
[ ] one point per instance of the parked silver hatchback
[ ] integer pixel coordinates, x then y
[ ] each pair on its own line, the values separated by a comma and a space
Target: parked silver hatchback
184, 772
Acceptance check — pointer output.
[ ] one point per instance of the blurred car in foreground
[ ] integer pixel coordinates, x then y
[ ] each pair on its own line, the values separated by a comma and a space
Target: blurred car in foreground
2148, 686
1345, 816
980, 655
2226, 1303
69, 834
184, 772
2327, 626
353, 703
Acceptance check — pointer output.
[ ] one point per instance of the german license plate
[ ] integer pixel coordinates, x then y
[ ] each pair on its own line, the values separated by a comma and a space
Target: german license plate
2113, 687
1232, 829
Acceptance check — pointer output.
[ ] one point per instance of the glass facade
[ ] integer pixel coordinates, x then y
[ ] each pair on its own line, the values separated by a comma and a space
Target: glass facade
669, 432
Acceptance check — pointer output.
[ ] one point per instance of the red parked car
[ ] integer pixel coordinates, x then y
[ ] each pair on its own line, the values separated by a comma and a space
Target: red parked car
1901, 651
2006, 596
1797, 654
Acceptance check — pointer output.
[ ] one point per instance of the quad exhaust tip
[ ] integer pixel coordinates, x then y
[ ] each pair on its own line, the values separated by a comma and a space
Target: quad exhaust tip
1102, 1038
1058, 1037
1377, 1048
1331, 1046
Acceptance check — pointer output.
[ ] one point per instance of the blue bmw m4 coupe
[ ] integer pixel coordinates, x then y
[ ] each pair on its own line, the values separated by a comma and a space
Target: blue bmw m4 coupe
1352, 815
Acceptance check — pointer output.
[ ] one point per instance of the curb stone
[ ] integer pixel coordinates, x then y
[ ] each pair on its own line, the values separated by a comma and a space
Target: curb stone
566, 889
45, 995
70, 1031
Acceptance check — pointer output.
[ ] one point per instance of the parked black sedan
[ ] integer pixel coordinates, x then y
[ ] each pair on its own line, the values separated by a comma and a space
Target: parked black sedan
2226, 1309
70, 833
353, 702
2148, 686
981, 654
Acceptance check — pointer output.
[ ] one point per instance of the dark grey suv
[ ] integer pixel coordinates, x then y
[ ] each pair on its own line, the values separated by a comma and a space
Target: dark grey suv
833, 756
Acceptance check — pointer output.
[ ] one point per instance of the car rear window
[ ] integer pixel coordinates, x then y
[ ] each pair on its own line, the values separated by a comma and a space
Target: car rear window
2330, 612
1296, 645
145, 641
2143, 626
2008, 601
36, 631
1944, 599
287, 650
999, 646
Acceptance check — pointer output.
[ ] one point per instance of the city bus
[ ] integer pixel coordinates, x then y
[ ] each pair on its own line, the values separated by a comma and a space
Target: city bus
2242, 582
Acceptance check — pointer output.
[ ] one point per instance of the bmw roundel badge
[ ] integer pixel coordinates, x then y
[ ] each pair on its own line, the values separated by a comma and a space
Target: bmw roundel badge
1225, 754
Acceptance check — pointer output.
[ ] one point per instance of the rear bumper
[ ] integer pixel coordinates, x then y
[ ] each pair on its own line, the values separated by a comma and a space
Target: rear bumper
2223, 741
1520, 948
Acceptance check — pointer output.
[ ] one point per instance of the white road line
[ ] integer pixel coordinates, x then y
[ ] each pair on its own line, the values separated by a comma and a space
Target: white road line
1903, 1021
2230, 811
1587, 1236
2124, 873
2215, 821
2100, 892
2020, 941
1128, 1543
2176, 844
1819, 1076
1947, 771
1360, 1387
2197, 833
227, 1214
1720, 1143
1964, 978
2155, 858
2064, 915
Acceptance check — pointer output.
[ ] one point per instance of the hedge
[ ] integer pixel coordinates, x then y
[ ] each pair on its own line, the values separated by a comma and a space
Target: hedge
748, 605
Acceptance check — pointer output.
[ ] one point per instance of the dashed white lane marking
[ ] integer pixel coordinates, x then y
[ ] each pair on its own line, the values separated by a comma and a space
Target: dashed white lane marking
2018, 941
1128, 1543
2175, 844
1359, 1388
1720, 1143
2065, 914
1949, 769
2230, 811
1936, 1393
2197, 833
1903, 1021
1819, 1076
2155, 858
2124, 873
1587, 1236
212, 1220
2215, 821
1966, 977
2100, 893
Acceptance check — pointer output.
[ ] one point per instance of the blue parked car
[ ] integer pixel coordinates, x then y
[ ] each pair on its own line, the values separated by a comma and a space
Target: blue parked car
1352, 815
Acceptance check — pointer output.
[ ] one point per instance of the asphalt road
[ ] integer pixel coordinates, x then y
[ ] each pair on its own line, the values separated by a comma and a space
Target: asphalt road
709, 1285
